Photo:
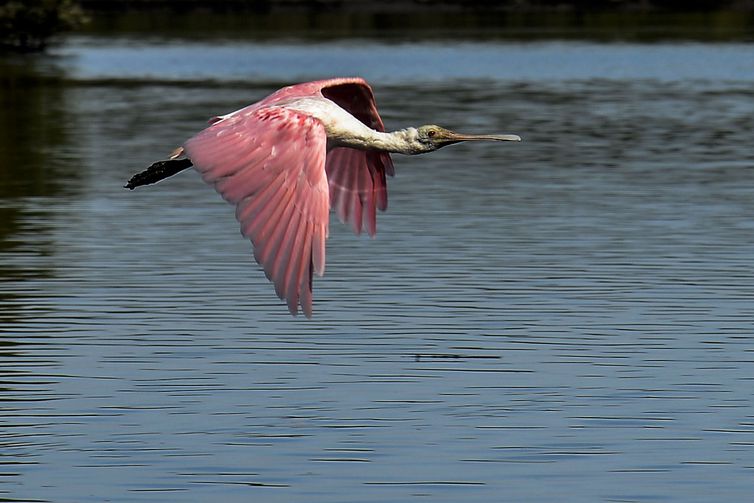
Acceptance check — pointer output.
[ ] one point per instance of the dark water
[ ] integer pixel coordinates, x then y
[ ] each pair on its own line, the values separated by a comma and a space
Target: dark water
569, 318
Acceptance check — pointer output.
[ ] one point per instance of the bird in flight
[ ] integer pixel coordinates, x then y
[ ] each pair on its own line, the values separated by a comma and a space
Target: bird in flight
286, 160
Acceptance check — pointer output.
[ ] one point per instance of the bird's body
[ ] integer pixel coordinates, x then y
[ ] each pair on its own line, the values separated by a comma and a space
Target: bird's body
344, 130
287, 160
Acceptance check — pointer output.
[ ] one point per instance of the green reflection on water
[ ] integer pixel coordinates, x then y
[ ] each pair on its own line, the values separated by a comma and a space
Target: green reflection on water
35, 165
33, 126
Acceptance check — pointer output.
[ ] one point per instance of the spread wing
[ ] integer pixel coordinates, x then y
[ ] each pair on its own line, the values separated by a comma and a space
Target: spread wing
270, 163
358, 187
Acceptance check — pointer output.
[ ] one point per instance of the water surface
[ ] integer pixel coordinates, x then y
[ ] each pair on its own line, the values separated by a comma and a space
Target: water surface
569, 317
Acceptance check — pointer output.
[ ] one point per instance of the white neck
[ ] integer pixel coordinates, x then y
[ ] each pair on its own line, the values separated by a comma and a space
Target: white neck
402, 141
344, 130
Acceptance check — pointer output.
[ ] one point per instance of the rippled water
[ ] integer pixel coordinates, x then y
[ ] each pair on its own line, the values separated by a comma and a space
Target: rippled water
565, 318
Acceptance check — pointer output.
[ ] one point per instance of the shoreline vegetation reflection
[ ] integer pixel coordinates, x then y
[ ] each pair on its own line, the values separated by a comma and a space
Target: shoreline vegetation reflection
34, 25
720, 25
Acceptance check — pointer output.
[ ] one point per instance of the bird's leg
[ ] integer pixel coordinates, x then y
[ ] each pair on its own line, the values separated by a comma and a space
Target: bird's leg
158, 171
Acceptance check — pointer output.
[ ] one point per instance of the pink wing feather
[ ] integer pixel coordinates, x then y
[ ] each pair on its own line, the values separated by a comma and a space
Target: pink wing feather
270, 163
358, 187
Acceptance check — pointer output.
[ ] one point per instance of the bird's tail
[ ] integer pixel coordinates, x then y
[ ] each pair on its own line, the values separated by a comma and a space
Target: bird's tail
158, 171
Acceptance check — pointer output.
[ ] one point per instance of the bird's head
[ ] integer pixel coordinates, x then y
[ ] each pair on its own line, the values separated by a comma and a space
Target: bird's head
430, 137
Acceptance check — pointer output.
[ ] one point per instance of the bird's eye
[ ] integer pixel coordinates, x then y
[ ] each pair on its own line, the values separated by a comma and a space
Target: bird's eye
431, 133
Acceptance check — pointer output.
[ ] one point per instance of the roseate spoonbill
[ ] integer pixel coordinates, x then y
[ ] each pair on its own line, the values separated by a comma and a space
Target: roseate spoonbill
286, 160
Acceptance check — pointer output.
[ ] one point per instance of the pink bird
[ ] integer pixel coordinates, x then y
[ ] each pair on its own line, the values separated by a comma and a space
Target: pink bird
286, 160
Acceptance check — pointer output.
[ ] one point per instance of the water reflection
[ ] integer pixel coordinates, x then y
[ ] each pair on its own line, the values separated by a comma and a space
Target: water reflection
576, 308
34, 129
35, 162
434, 23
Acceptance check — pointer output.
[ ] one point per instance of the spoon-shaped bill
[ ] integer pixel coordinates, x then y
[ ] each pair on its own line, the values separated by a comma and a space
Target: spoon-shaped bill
476, 137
